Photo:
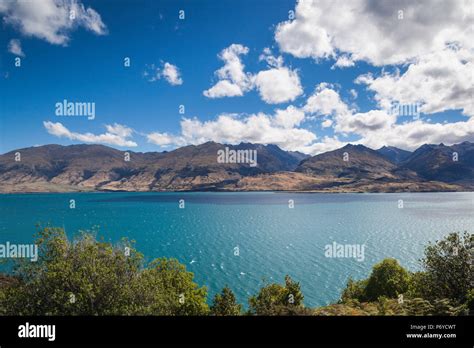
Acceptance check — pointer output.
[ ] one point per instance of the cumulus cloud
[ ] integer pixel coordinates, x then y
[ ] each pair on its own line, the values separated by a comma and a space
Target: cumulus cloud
224, 88
429, 39
325, 101
280, 129
276, 85
374, 128
14, 47
379, 32
343, 62
165, 139
166, 70
233, 81
289, 117
272, 61
326, 123
438, 81
363, 123
51, 20
116, 134
411, 135
377, 128
171, 74
326, 144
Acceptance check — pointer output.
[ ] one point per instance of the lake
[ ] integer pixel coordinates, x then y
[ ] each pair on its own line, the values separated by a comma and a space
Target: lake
246, 239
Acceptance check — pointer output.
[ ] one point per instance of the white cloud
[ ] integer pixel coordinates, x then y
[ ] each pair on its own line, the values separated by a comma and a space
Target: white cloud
289, 117
412, 135
272, 61
224, 88
325, 101
327, 144
438, 81
166, 70
353, 93
432, 39
231, 129
50, 20
171, 74
278, 85
275, 85
372, 31
165, 139
365, 122
120, 130
233, 81
116, 134
303, 37
377, 128
326, 123
14, 47
343, 62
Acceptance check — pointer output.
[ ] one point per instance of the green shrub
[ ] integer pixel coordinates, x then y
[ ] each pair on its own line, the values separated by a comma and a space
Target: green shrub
275, 299
87, 277
225, 303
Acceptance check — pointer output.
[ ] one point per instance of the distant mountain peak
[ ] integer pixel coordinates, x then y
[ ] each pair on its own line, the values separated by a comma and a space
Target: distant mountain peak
393, 153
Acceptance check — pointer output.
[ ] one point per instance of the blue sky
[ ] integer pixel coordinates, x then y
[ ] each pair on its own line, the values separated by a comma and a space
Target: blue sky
84, 63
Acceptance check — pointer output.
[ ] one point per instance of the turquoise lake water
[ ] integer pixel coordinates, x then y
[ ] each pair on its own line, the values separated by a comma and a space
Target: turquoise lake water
272, 239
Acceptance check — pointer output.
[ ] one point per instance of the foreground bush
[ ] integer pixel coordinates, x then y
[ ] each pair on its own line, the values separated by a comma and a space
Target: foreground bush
276, 299
225, 304
442, 288
87, 277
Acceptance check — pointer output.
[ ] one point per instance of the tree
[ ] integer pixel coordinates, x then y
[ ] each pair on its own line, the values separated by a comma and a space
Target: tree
387, 279
87, 277
447, 267
470, 301
442, 288
166, 288
225, 303
355, 290
275, 299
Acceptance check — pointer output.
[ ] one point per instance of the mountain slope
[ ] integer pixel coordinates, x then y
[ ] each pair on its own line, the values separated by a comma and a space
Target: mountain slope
353, 168
394, 154
439, 162
355, 162
97, 167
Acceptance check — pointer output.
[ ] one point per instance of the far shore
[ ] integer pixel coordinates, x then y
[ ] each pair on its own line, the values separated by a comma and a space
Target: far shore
230, 191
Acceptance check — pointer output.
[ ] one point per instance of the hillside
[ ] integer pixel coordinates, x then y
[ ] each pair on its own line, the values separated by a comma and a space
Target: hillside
352, 168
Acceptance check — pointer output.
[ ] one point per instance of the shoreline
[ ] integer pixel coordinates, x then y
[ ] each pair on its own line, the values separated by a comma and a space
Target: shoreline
232, 191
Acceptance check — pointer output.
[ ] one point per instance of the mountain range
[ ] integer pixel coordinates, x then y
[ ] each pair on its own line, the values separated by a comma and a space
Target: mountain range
352, 168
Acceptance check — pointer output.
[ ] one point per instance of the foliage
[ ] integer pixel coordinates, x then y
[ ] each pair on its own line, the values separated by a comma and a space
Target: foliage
225, 303
442, 288
447, 266
276, 299
87, 277
354, 290
387, 279
84, 276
